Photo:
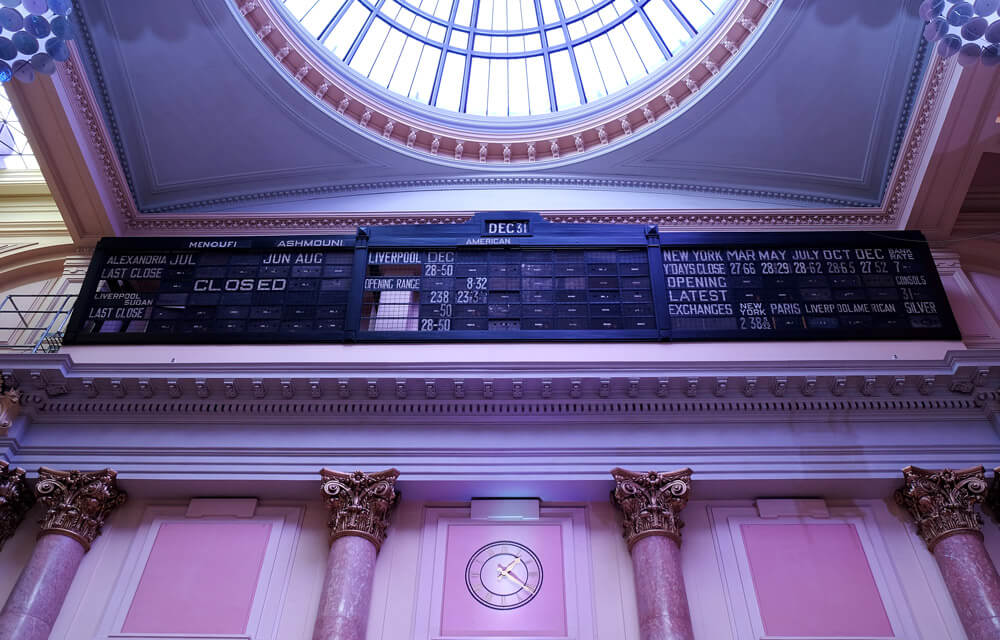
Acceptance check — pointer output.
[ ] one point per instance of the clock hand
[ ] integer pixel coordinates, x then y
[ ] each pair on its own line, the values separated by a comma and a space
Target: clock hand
507, 569
517, 580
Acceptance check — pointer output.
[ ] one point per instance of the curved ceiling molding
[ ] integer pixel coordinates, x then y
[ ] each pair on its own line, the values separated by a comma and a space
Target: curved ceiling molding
472, 146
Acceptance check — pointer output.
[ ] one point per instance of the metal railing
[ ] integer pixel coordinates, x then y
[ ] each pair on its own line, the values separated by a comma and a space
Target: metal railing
34, 323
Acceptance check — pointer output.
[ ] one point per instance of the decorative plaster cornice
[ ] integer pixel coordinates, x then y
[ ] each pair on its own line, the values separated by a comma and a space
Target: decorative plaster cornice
943, 502
359, 503
651, 502
478, 145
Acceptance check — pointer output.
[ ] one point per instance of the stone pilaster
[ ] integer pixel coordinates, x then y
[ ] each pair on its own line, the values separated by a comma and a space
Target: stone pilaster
942, 503
77, 502
359, 505
15, 500
651, 503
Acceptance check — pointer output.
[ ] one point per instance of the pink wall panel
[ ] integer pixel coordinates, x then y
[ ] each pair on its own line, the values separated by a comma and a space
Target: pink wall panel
200, 578
545, 615
813, 580
989, 288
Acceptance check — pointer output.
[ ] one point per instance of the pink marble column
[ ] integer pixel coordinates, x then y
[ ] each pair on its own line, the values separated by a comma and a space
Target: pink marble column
359, 505
651, 503
942, 504
77, 504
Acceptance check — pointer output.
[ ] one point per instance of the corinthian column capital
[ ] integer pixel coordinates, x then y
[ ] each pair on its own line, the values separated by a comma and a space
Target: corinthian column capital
993, 496
15, 500
359, 503
10, 406
651, 502
77, 503
943, 502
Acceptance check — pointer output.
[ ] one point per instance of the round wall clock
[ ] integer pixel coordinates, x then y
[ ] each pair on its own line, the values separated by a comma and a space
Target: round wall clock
504, 575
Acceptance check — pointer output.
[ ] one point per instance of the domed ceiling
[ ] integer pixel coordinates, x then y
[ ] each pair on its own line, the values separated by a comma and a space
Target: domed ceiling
211, 113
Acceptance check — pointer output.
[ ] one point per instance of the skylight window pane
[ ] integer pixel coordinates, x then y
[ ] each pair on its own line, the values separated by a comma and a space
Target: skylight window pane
695, 11
443, 9
342, 36
564, 80
390, 9
319, 17
482, 43
15, 152
593, 84
549, 12
650, 53
627, 55
479, 84
500, 14
464, 13
370, 47
409, 57
298, 8
450, 93
459, 39
673, 33
515, 44
538, 89
593, 22
569, 8
577, 30
528, 17
514, 15
555, 37
518, 88
614, 79
499, 45
437, 33
423, 81
623, 6
405, 18
485, 18
715, 5
386, 61
608, 14
532, 42
420, 26
498, 89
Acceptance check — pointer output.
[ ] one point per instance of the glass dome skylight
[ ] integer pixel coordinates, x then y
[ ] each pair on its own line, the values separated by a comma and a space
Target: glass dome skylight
504, 58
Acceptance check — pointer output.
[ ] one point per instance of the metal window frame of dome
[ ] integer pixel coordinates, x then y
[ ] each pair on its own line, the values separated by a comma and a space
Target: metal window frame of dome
497, 142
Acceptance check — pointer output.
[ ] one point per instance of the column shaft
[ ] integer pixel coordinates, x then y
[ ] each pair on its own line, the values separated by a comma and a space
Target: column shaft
347, 590
38, 595
659, 589
973, 583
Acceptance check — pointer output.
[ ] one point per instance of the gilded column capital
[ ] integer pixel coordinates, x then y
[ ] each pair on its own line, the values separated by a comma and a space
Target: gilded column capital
10, 406
359, 503
943, 502
15, 500
651, 502
77, 503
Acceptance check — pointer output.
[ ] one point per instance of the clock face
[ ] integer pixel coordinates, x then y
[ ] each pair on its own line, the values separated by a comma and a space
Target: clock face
504, 575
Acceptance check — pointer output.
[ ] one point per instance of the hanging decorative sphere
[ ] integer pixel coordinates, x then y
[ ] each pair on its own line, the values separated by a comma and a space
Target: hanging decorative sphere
33, 36
968, 29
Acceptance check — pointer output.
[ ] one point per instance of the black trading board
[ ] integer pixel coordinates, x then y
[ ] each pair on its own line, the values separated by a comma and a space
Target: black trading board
512, 276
